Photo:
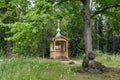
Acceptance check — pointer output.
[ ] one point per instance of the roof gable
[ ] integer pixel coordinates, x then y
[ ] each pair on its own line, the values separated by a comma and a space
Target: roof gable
62, 38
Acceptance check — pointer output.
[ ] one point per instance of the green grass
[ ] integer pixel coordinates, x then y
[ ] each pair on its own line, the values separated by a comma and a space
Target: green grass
45, 69
109, 60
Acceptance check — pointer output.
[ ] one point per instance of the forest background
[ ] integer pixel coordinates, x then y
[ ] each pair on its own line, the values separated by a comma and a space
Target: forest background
26, 26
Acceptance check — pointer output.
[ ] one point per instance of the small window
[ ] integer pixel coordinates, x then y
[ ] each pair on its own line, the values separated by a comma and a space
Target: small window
58, 46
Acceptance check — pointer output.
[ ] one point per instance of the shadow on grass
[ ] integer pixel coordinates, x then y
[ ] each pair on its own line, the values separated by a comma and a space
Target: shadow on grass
111, 70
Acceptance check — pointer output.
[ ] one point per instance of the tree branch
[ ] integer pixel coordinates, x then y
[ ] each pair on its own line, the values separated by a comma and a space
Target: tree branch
102, 10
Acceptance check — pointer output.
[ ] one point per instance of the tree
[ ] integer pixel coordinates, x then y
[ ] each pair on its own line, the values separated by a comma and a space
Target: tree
88, 62
87, 26
87, 20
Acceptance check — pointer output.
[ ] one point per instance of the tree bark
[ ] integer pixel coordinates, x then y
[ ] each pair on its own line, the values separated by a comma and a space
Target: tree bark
8, 42
89, 64
8, 48
87, 27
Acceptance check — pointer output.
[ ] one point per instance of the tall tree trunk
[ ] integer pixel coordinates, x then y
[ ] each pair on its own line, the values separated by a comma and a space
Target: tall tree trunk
89, 64
113, 40
8, 42
87, 27
43, 44
8, 48
6, 21
97, 36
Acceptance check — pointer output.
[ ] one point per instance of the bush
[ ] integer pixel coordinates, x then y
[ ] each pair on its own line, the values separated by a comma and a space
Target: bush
98, 52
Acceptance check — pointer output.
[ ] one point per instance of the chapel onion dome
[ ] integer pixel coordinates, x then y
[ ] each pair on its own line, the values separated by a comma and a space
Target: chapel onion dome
58, 32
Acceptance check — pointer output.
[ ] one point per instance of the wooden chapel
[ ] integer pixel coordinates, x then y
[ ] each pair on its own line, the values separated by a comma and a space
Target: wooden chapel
59, 47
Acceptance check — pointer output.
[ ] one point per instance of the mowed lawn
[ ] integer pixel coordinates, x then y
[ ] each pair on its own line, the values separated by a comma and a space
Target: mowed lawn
35, 68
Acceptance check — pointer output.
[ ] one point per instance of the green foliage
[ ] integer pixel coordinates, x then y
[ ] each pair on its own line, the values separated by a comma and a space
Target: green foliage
39, 24
28, 32
111, 13
31, 27
97, 52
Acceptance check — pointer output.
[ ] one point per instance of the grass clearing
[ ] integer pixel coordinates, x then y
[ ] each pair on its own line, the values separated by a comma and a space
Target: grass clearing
109, 60
45, 69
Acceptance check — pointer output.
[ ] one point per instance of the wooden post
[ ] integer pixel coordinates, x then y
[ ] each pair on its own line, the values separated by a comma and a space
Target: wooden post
66, 46
51, 46
54, 45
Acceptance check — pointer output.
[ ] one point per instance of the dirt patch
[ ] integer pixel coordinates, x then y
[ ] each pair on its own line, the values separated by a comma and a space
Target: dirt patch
70, 62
